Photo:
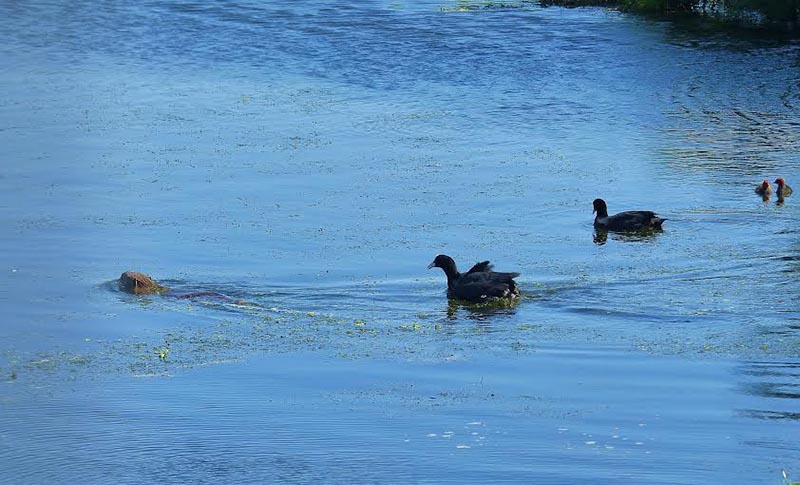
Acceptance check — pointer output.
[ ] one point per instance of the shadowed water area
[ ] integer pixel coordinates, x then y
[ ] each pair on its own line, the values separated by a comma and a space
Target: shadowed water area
308, 160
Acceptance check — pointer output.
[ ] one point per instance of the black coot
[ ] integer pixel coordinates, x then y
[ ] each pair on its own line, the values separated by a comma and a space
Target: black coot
628, 221
479, 284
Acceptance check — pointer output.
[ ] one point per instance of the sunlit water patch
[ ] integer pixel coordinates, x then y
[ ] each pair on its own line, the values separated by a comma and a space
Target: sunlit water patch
286, 417
307, 161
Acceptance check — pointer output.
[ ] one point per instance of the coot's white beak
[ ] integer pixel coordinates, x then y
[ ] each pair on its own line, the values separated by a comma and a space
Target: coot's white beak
432, 265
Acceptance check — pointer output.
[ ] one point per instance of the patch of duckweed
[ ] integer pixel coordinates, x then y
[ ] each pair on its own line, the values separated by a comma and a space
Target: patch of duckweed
163, 352
519, 346
681, 345
44, 363
474, 6
360, 329
227, 341
487, 308
79, 360
427, 336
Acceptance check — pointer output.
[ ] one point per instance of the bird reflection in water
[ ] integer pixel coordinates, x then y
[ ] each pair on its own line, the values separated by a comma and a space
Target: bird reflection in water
601, 237
481, 311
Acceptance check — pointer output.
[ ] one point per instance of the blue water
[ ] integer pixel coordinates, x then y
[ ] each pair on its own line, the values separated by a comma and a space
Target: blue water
309, 160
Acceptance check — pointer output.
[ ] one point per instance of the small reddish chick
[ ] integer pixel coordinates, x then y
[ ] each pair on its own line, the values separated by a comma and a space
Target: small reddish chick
783, 189
763, 188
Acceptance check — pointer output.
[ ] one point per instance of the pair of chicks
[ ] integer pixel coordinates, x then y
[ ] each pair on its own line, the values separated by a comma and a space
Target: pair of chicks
764, 189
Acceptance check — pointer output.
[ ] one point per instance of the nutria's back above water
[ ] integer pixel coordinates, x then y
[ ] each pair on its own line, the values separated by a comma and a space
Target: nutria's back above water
141, 284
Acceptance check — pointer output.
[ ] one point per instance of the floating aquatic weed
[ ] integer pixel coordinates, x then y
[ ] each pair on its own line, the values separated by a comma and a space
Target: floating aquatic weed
163, 352
141, 349
266, 330
483, 309
79, 359
472, 6
47, 363
518, 346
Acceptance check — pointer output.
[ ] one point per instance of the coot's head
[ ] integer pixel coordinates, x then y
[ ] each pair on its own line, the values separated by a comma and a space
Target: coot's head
600, 206
442, 261
779, 181
765, 184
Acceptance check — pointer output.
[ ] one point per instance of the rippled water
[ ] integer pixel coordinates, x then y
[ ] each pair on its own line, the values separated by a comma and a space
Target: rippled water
309, 160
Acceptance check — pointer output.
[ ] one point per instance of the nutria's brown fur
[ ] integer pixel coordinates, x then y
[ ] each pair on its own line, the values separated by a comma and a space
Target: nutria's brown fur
139, 284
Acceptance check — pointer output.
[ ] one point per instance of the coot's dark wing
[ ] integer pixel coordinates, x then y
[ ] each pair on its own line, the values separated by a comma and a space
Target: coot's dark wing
482, 285
633, 221
504, 276
480, 267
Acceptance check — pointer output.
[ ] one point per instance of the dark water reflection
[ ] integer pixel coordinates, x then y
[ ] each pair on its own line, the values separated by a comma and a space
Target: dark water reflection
779, 384
488, 312
601, 237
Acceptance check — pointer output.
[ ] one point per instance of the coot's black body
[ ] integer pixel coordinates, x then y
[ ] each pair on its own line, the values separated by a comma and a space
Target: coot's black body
629, 221
479, 284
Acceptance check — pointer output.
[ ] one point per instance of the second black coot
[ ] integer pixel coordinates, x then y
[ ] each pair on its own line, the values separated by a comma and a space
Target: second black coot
628, 221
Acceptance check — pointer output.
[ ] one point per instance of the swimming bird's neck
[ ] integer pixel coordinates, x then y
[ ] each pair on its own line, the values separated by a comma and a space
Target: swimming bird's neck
451, 272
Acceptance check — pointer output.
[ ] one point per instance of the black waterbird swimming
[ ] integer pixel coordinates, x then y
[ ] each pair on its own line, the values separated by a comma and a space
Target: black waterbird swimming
479, 284
628, 221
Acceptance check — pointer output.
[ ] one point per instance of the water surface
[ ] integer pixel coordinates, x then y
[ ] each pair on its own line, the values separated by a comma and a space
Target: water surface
310, 160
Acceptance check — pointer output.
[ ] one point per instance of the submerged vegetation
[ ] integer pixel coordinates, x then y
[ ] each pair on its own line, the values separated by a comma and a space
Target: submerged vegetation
780, 13
772, 14
472, 5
